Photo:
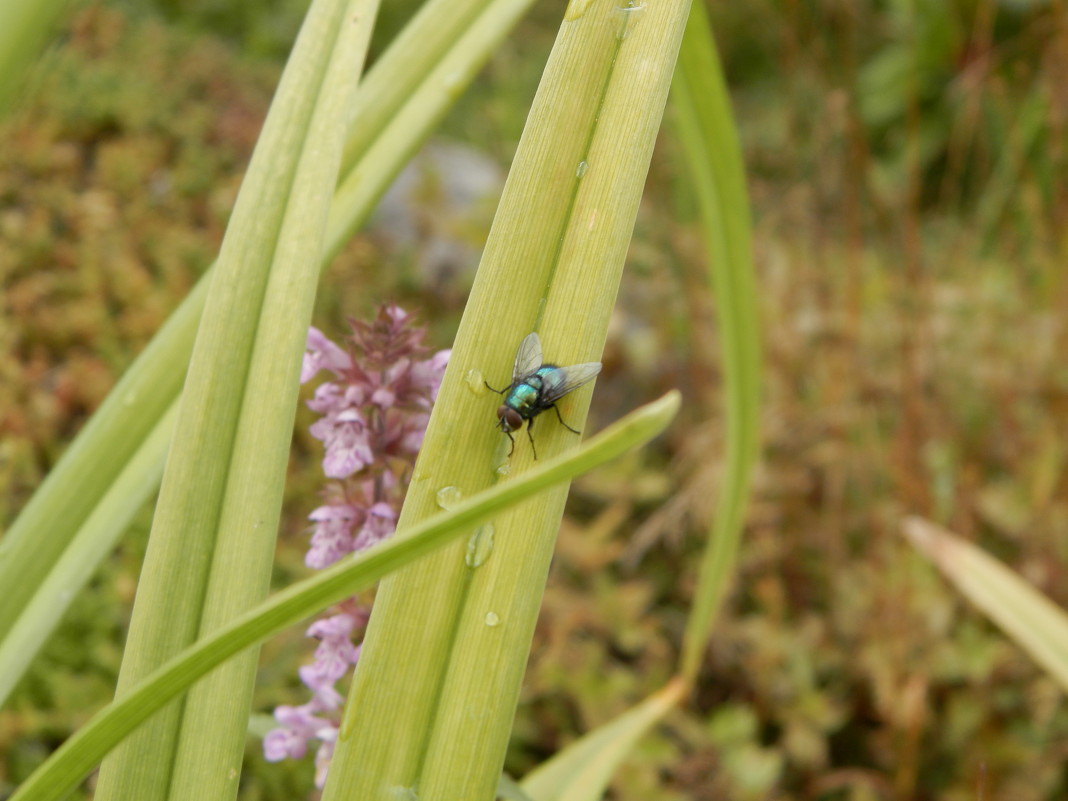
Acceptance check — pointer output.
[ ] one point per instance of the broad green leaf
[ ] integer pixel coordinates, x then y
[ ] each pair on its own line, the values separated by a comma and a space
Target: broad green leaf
448, 635
65, 768
1037, 624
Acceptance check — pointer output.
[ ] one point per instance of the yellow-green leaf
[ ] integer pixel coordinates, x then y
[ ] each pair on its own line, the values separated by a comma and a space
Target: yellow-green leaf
1031, 619
581, 771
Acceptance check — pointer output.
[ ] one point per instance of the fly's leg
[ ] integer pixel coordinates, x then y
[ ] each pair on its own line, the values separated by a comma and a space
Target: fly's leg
498, 391
512, 440
530, 435
561, 419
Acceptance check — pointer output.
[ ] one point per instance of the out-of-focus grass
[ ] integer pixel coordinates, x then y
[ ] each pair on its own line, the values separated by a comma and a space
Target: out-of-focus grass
113, 197
914, 344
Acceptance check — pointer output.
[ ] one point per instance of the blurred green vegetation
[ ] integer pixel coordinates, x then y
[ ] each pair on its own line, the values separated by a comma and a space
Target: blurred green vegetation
908, 180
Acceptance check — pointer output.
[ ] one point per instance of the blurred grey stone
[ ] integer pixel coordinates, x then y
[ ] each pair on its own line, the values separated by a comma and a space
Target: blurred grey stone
437, 213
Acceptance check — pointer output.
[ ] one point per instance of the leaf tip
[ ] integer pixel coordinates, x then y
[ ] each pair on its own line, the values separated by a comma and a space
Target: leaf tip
932, 541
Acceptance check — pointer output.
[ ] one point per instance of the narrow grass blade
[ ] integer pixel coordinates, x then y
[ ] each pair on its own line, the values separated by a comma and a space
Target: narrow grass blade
64, 769
714, 160
581, 771
1037, 624
450, 635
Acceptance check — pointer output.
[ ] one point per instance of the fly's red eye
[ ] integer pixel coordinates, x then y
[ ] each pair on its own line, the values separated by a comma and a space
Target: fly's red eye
509, 417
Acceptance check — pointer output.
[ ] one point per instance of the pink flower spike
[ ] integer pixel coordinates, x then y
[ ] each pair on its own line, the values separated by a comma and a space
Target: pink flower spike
427, 375
347, 441
333, 658
326, 699
413, 438
332, 537
320, 353
381, 521
279, 744
336, 652
324, 755
335, 626
383, 398
373, 408
296, 726
328, 399
398, 315
355, 395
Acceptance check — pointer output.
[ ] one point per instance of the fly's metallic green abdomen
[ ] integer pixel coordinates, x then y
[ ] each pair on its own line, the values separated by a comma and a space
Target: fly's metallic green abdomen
536, 387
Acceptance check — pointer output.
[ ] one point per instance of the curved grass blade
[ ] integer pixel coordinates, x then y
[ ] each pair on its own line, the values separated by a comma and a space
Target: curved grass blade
714, 160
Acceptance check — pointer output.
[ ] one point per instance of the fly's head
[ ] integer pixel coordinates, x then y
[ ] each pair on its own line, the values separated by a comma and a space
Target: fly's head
508, 419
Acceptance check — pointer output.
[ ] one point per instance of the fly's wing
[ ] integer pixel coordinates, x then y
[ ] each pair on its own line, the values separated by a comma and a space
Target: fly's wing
568, 379
527, 358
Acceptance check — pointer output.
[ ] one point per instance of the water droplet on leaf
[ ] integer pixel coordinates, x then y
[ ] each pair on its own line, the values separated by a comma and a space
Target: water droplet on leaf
480, 546
475, 382
449, 497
